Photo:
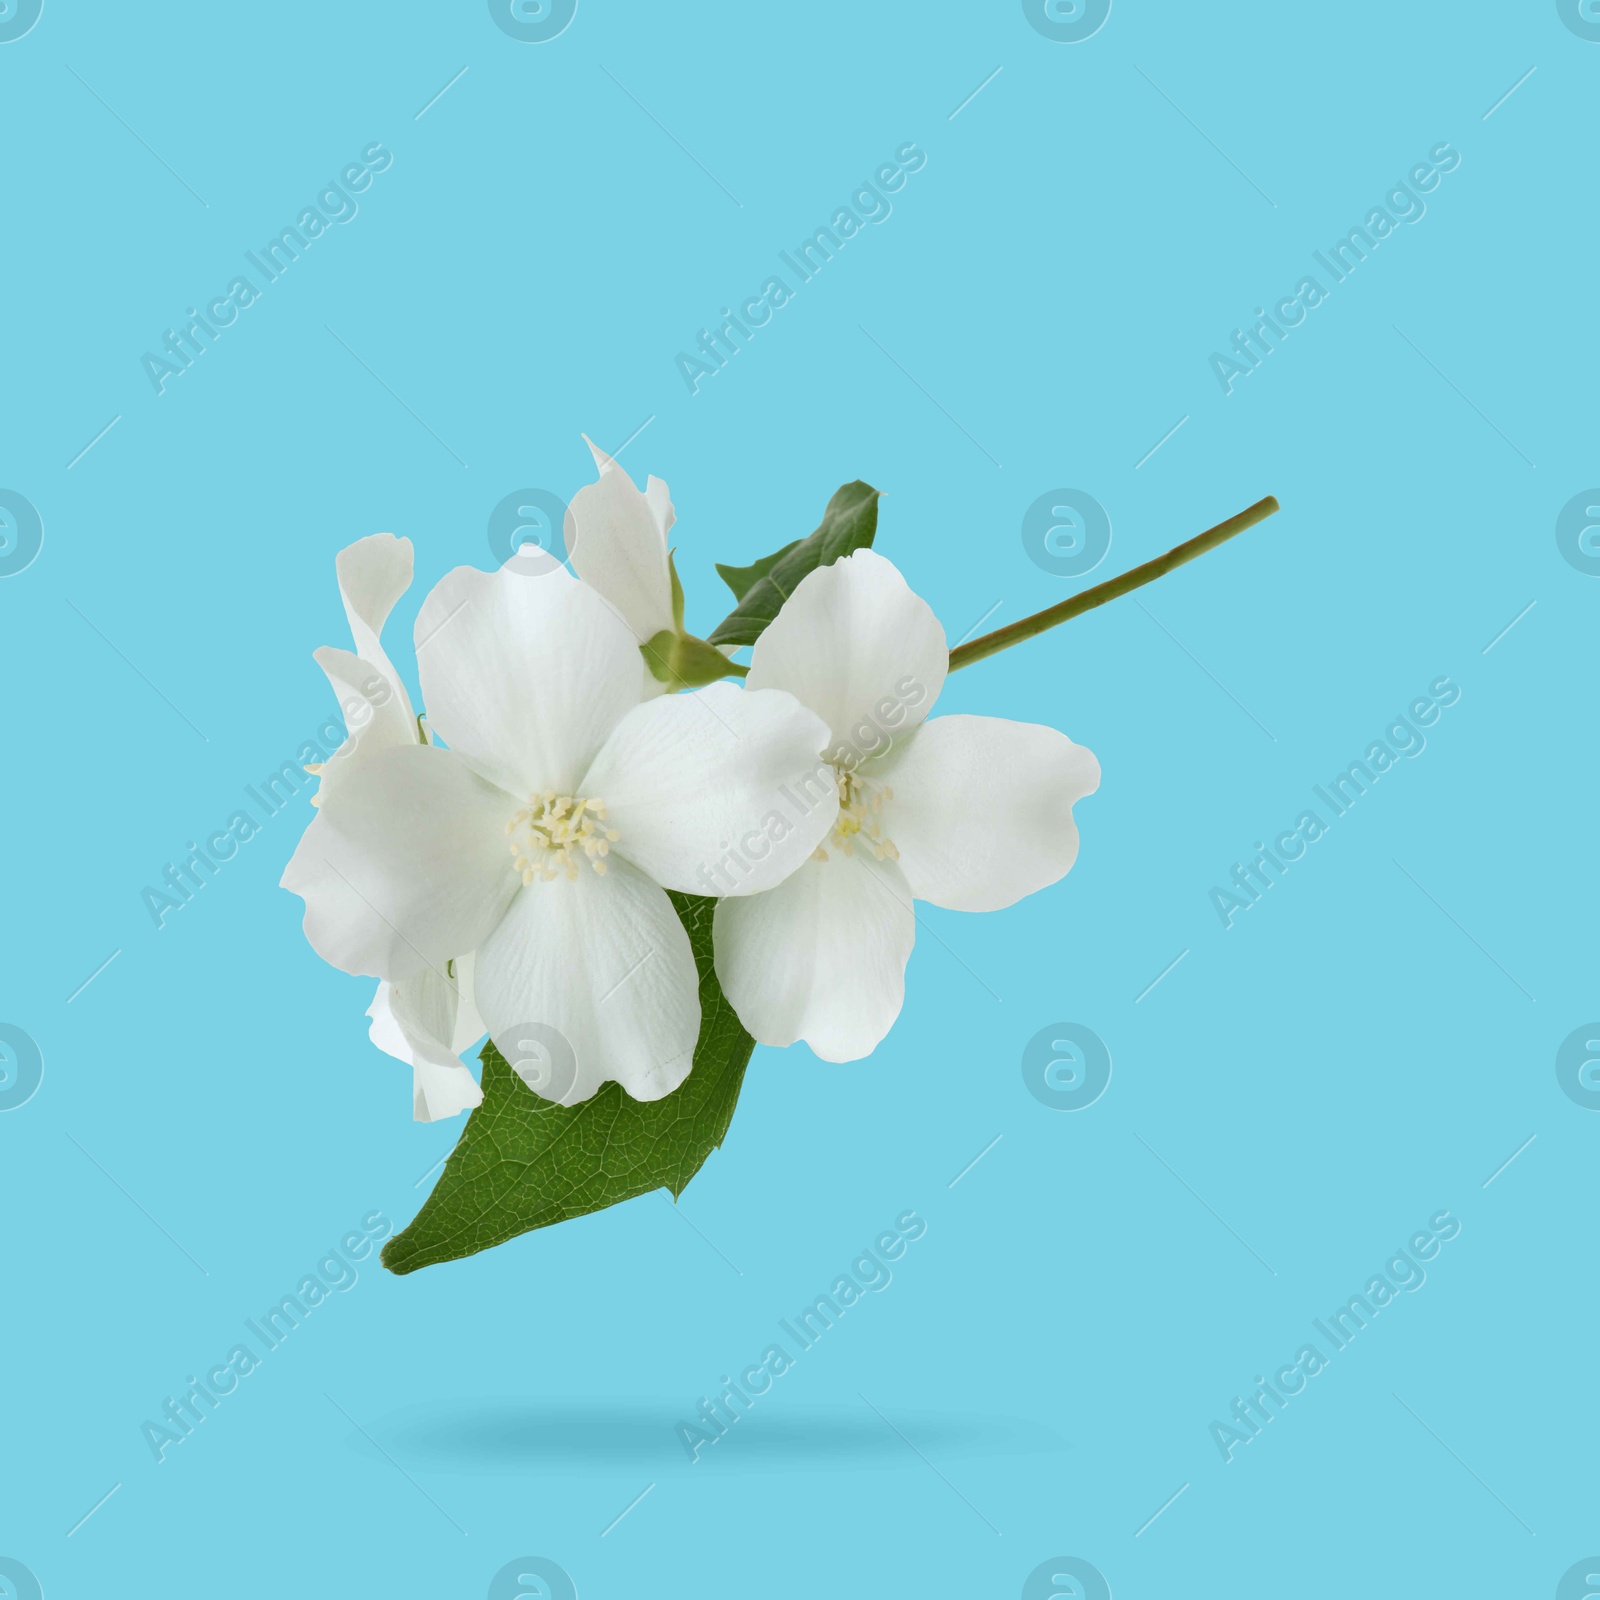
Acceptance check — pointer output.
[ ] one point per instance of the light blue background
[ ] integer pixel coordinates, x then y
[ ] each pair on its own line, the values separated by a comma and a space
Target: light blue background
1346, 1060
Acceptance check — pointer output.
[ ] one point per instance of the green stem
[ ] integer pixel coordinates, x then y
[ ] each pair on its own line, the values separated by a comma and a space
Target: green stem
1015, 632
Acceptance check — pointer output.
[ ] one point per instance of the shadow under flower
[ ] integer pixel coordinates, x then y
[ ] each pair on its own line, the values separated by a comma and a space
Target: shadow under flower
548, 1437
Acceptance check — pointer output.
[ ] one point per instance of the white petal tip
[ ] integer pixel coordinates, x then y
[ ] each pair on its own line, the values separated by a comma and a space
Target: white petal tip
603, 462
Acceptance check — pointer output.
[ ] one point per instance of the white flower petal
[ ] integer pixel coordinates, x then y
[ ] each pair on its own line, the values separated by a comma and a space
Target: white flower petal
416, 1021
524, 674
982, 809
592, 980
377, 714
717, 792
659, 498
619, 545
373, 573
469, 1025
405, 863
857, 646
822, 957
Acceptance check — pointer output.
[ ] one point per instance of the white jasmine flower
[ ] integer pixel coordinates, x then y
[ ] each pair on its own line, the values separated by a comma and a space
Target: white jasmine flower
542, 834
969, 813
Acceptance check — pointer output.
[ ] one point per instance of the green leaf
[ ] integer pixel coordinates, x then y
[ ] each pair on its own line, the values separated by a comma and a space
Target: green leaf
848, 524
739, 579
524, 1163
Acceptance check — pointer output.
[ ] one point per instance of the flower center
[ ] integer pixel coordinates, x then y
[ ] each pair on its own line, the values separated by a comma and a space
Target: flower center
860, 818
556, 833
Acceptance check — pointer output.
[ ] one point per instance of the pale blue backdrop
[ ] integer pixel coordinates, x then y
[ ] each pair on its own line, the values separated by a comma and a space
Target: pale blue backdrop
1028, 1407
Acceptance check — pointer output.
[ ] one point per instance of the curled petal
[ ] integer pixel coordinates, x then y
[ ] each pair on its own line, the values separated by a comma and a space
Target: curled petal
376, 711
659, 498
373, 573
619, 545
420, 1021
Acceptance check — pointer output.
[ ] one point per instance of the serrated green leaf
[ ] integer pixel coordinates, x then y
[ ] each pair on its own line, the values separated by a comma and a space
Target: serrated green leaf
849, 523
740, 579
524, 1163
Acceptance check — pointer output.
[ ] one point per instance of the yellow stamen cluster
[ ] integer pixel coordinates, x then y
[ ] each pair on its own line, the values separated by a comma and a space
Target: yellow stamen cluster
860, 818
556, 833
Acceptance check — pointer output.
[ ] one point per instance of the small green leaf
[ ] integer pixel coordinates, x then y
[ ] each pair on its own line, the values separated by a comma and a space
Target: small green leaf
740, 579
848, 524
524, 1163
